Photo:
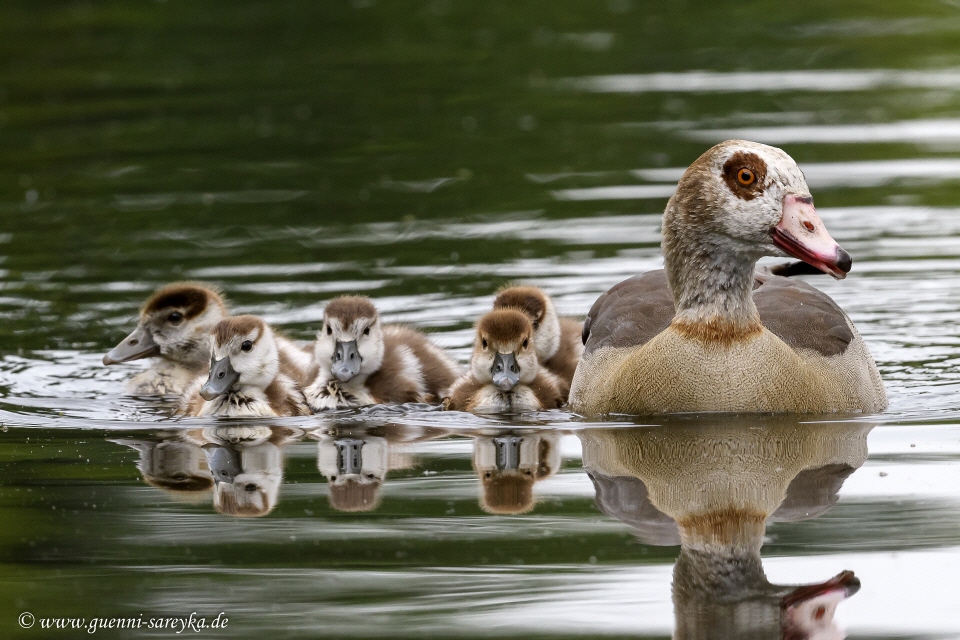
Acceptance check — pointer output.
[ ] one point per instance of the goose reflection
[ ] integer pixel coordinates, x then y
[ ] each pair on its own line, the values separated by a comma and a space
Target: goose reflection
712, 489
509, 463
355, 460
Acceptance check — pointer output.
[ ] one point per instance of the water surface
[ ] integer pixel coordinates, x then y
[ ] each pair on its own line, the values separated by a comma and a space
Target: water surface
425, 154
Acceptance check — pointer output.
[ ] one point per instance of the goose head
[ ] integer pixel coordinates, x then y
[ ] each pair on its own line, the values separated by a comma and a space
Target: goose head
175, 324
743, 200
244, 355
504, 353
350, 343
539, 308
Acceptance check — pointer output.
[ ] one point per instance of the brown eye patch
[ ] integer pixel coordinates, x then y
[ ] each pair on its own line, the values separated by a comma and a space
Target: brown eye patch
745, 174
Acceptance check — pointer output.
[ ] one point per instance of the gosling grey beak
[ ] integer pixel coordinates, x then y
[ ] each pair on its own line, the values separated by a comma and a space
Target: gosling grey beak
222, 377
224, 463
506, 371
138, 344
346, 361
349, 456
508, 452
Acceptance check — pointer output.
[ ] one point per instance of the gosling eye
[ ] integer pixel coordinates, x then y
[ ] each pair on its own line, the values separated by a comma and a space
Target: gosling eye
250, 487
366, 331
526, 341
246, 346
329, 330
536, 325
175, 317
484, 342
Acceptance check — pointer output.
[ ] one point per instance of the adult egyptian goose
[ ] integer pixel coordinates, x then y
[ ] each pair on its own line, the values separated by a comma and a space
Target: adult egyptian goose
174, 329
708, 333
718, 485
557, 339
360, 361
253, 373
504, 374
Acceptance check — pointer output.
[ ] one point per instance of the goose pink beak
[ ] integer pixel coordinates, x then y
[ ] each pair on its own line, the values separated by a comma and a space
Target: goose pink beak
801, 234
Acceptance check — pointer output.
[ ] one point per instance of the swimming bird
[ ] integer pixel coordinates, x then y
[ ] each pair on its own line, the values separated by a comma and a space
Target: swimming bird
711, 333
504, 374
557, 339
360, 361
253, 372
174, 329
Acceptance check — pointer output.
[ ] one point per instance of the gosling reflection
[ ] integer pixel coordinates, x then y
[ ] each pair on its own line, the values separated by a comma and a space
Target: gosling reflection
712, 489
355, 461
239, 468
246, 464
509, 464
177, 468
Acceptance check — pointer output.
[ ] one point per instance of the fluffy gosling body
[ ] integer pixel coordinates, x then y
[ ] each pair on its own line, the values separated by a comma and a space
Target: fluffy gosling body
558, 340
253, 372
360, 361
505, 374
174, 329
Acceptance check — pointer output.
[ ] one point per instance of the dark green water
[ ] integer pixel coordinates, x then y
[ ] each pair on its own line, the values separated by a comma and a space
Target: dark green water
426, 153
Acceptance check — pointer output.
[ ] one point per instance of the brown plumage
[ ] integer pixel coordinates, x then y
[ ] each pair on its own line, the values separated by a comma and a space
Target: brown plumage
388, 385
192, 297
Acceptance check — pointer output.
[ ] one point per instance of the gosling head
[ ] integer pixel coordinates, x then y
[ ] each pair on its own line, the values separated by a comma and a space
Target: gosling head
504, 353
539, 308
244, 355
751, 200
175, 324
350, 343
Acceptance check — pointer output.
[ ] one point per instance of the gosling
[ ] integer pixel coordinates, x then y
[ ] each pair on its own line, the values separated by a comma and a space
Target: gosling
505, 374
253, 372
174, 329
360, 361
558, 340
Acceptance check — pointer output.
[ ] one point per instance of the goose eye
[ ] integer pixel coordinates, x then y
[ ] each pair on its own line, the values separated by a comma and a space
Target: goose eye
250, 487
246, 346
746, 177
175, 317
484, 343
329, 330
366, 331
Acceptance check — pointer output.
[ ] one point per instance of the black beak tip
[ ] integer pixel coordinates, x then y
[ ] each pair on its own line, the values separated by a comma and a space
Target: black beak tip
844, 261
